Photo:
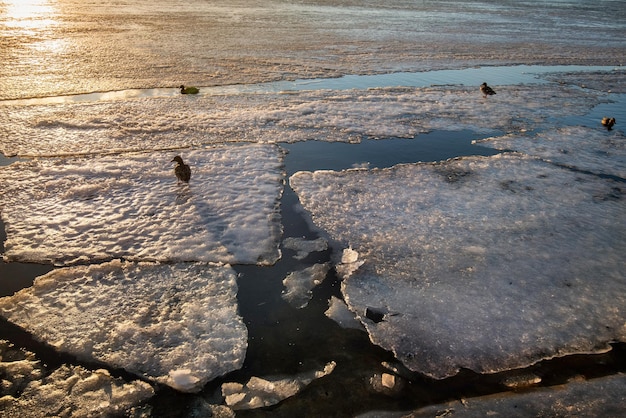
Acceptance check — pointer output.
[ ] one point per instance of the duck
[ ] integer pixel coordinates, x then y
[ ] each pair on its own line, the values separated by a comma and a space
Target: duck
182, 170
188, 90
486, 90
608, 122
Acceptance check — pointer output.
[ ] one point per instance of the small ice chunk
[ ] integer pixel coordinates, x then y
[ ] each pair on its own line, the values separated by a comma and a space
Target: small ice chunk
483, 263
338, 311
349, 262
261, 392
298, 284
176, 324
304, 247
387, 384
78, 210
184, 380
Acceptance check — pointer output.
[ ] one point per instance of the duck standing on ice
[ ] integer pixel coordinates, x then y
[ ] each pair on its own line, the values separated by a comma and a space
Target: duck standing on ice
486, 90
182, 170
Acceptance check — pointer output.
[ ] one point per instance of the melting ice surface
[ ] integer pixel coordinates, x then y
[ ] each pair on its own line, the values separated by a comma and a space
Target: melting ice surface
130, 206
583, 148
175, 324
324, 115
67, 388
482, 263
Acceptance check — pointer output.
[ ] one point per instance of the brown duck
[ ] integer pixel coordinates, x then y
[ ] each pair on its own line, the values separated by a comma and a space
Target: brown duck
486, 90
182, 170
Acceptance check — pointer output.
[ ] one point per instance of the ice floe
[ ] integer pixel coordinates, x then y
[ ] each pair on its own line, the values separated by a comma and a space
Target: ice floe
261, 392
595, 150
69, 391
481, 263
326, 115
304, 247
339, 312
174, 324
78, 210
298, 284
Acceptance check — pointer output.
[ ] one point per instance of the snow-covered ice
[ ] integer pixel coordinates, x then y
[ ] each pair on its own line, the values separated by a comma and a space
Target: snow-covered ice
298, 284
78, 210
596, 150
261, 392
482, 263
69, 391
175, 324
325, 115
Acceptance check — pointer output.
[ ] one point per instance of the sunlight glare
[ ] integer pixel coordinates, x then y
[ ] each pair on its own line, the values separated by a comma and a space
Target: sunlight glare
28, 14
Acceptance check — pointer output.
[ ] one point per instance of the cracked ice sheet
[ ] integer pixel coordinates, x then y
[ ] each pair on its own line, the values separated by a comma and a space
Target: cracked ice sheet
481, 263
324, 115
92, 209
595, 150
174, 324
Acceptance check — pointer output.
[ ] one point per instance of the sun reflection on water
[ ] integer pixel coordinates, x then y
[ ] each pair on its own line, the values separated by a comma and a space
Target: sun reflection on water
28, 14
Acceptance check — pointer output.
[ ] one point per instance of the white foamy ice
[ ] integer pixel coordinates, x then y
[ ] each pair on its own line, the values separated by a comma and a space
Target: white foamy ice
130, 206
482, 263
304, 247
298, 284
67, 391
261, 392
175, 324
596, 150
324, 115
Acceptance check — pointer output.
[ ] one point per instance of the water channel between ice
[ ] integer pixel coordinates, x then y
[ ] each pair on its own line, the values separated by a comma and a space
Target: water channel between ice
285, 340
497, 75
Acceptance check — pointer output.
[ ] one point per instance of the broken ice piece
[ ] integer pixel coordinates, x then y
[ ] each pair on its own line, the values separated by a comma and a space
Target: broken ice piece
349, 263
175, 324
261, 392
304, 247
299, 284
338, 311
27, 391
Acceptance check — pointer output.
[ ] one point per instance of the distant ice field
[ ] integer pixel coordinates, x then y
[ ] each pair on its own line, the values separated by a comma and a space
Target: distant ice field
160, 123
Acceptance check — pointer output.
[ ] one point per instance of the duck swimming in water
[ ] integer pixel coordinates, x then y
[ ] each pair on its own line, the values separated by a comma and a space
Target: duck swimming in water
486, 90
188, 90
182, 170
608, 123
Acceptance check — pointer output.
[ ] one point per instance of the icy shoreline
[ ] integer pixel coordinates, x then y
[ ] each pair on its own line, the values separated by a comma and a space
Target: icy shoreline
351, 116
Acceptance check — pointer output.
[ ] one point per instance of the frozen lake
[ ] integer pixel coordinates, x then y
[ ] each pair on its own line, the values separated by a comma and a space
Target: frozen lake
364, 233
